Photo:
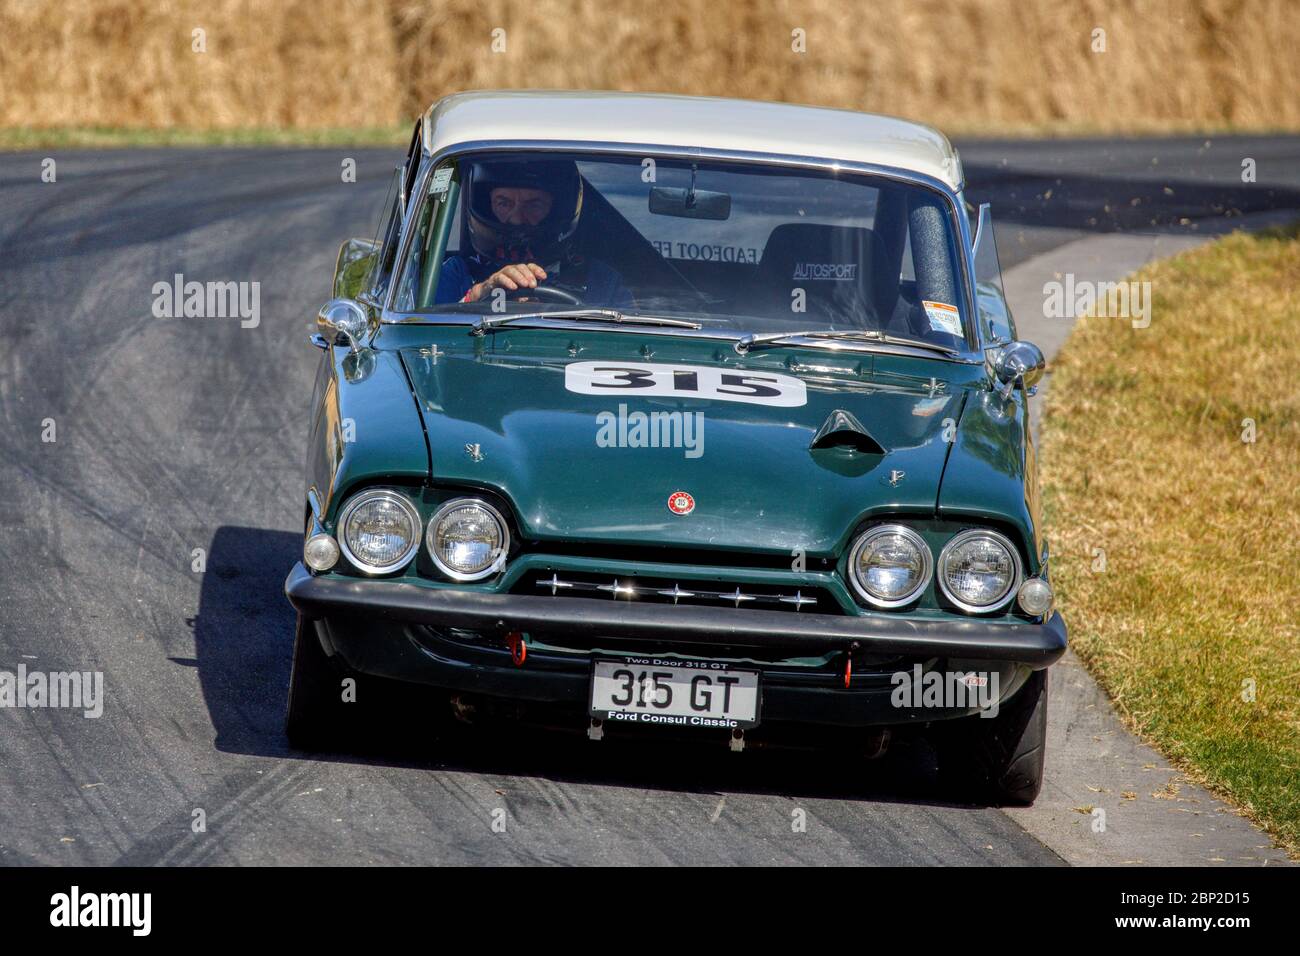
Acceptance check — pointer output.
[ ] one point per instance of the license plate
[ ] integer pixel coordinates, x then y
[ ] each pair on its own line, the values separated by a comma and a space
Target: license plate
676, 693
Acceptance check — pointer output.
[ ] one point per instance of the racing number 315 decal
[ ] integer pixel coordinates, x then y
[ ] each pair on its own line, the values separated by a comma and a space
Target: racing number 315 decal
685, 381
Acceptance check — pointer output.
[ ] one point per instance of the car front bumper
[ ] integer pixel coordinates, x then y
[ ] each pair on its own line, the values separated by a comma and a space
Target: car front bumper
404, 631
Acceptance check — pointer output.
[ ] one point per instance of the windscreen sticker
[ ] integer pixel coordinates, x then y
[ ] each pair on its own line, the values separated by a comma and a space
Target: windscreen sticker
943, 317
623, 379
441, 180
826, 271
705, 251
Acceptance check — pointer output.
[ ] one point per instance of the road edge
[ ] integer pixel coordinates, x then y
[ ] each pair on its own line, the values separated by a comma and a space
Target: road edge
1109, 798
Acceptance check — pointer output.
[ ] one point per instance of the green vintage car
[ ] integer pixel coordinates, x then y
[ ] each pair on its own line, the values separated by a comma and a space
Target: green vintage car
660, 415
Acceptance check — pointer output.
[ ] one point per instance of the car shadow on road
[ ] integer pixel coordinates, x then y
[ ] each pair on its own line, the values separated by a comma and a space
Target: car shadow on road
243, 638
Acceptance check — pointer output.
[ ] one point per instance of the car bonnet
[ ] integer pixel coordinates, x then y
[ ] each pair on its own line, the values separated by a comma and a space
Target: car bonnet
523, 416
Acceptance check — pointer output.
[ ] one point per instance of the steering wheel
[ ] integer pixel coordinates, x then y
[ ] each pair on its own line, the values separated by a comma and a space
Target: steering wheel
543, 293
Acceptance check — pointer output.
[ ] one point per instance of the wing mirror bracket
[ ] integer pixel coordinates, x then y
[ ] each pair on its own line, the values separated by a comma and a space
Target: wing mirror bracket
1018, 363
342, 320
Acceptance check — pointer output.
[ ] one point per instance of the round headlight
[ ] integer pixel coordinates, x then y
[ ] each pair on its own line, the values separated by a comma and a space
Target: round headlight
379, 531
890, 565
979, 570
468, 539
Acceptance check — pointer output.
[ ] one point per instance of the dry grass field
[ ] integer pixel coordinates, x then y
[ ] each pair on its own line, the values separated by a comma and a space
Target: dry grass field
969, 66
1173, 453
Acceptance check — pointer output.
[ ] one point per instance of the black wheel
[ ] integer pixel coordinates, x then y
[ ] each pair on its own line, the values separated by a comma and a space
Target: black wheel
333, 707
998, 758
317, 716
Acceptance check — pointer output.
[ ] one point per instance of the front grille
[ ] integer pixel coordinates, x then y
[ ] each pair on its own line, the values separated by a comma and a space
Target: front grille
668, 591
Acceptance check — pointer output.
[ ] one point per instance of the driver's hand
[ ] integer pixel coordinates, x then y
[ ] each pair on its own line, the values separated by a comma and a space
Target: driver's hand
512, 277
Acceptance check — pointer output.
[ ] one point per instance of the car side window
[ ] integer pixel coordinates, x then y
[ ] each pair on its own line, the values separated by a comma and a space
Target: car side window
387, 231
997, 327
429, 239
411, 167
395, 204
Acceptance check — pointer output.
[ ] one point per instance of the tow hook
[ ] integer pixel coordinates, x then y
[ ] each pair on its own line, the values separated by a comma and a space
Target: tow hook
737, 741
848, 663
594, 730
518, 649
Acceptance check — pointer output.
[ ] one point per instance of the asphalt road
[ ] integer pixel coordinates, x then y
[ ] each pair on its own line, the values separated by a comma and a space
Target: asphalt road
178, 434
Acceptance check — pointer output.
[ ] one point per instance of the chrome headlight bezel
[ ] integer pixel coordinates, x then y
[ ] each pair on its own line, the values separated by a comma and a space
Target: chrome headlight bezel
350, 508
498, 564
927, 565
1013, 587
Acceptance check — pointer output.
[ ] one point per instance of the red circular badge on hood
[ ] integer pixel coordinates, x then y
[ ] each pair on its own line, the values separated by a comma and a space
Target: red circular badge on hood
681, 503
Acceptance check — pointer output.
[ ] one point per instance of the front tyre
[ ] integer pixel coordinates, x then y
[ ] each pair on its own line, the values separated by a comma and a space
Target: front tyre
317, 716
999, 758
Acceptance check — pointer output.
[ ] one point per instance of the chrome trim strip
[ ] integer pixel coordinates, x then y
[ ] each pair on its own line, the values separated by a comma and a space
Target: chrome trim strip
737, 596
621, 588
798, 600
677, 593
865, 346
555, 583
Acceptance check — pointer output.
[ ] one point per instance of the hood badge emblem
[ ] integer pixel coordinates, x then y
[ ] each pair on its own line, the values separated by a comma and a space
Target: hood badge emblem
475, 451
681, 503
895, 476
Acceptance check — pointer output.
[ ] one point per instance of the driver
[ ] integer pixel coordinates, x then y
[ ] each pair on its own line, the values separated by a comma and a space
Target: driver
523, 216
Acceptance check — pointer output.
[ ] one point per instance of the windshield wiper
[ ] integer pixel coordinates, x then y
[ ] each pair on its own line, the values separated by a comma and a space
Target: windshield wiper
749, 342
490, 323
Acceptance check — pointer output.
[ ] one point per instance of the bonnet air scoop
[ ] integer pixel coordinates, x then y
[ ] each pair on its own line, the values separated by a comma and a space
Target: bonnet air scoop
842, 430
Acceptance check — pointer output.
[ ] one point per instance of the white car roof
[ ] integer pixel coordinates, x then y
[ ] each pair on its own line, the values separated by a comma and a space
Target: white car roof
691, 121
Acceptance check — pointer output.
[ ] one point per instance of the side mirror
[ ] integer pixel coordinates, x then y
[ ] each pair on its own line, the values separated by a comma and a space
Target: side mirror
342, 319
1018, 363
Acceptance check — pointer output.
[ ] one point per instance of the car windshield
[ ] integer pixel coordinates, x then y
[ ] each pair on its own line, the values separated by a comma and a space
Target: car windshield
753, 249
